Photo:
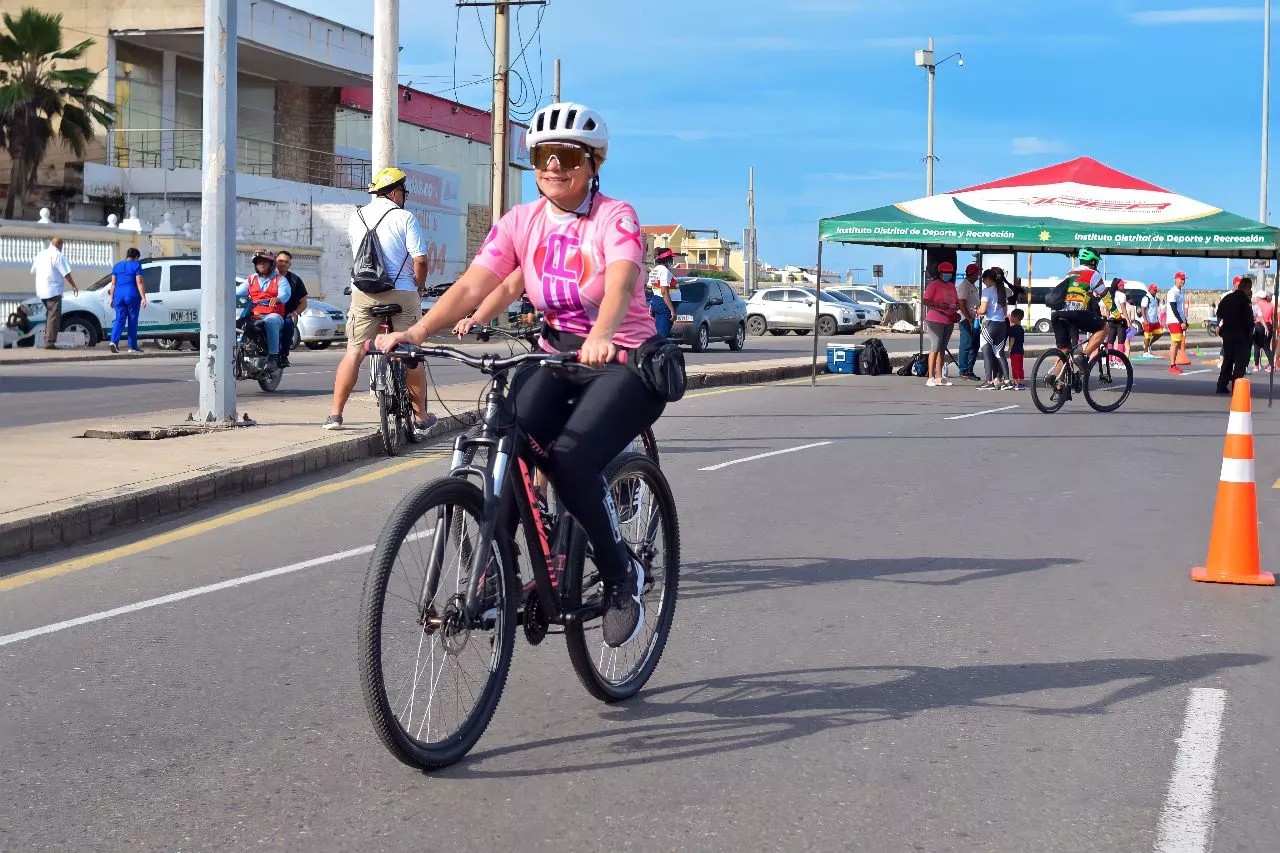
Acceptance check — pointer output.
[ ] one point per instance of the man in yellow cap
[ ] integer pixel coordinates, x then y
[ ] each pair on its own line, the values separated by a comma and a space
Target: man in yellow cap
390, 268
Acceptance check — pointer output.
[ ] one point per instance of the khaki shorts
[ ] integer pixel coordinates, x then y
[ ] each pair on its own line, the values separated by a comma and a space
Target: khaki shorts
363, 326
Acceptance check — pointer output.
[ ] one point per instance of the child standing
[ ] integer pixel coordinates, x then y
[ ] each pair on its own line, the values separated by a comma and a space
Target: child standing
1017, 335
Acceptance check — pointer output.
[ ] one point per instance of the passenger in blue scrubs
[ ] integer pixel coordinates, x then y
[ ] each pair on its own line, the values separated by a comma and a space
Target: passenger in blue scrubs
128, 297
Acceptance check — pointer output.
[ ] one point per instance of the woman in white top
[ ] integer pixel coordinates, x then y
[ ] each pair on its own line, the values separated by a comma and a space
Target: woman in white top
993, 310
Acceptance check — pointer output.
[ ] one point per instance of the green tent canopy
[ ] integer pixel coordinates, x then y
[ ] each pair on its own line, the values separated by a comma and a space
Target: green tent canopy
1056, 209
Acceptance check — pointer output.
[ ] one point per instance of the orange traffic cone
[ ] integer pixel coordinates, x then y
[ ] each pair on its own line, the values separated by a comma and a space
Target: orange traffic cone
1233, 543
1183, 358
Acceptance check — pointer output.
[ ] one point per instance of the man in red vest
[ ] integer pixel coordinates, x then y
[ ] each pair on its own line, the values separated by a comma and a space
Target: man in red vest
268, 291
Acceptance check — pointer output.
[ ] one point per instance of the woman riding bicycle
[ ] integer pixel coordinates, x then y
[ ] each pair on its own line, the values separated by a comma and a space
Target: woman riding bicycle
580, 253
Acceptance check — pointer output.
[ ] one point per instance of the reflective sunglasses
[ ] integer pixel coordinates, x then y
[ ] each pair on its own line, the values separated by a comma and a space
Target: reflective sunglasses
568, 155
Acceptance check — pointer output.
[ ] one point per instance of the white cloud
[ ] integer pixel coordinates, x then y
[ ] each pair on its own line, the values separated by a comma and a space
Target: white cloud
1035, 145
1199, 15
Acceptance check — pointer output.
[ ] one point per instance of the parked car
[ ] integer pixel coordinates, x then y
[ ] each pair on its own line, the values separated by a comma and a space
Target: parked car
173, 304
709, 310
874, 308
779, 310
869, 295
865, 313
320, 325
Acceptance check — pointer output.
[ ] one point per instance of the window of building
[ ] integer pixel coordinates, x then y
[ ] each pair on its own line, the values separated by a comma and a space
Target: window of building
138, 110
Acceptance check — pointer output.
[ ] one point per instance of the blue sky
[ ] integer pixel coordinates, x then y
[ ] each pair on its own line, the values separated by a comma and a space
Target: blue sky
824, 99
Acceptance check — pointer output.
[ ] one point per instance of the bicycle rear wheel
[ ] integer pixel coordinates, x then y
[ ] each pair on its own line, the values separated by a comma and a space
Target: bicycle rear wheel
1108, 381
650, 528
431, 676
1050, 381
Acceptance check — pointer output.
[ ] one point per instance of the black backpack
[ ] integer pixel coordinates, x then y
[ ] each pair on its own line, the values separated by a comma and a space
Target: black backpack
874, 360
368, 275
1056, 299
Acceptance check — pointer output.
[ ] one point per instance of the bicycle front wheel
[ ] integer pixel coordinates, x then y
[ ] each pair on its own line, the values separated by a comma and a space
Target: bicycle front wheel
405, 412
1108, 381
1050, 381
431, 673
647, 518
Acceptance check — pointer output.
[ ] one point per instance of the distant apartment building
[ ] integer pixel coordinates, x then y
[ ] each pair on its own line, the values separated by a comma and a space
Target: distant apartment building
696, 249
303, 135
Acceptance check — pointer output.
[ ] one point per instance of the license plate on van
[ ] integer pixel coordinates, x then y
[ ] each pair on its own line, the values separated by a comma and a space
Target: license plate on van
190, 315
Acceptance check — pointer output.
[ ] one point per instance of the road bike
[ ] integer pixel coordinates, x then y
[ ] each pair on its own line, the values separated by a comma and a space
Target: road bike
389, 387
443, 597
1106, 380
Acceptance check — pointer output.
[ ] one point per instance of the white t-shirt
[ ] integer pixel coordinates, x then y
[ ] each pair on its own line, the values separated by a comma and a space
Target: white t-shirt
1176, 297
399, 234
49, 268
995, 311
1150, 309
660, 277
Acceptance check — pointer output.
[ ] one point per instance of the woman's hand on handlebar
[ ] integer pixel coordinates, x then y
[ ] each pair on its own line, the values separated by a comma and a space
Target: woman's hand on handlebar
597, 350
389, 341
464, 326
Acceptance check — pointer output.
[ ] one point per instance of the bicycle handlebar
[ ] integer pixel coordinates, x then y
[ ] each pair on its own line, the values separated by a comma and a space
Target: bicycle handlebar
489, 364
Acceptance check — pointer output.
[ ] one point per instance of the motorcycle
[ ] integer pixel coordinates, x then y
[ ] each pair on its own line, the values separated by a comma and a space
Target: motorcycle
251, 348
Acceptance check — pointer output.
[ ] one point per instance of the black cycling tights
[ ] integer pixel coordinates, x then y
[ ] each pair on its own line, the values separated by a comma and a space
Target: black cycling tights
577, 440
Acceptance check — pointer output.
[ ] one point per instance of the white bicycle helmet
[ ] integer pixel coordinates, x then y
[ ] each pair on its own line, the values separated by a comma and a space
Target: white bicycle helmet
569, 122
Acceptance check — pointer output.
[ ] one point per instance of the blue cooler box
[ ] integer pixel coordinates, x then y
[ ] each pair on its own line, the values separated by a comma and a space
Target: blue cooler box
843, 358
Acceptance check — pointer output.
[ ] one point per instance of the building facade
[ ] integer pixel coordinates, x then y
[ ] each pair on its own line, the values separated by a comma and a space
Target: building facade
303, 135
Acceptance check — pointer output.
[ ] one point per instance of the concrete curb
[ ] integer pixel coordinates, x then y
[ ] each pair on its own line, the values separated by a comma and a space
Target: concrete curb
101, 355
96, 517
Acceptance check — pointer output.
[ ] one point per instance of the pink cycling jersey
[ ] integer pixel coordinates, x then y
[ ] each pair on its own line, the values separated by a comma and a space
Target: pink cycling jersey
563, 258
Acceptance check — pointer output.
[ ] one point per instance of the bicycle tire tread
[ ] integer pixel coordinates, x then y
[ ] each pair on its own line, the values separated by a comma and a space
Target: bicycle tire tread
369, 648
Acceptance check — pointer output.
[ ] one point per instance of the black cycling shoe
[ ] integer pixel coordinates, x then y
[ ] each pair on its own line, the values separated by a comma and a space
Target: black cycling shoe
272, 365
623, 609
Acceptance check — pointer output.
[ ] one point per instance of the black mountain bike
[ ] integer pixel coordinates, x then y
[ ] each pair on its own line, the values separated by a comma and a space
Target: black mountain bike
1106, 380
442, 598
387, 382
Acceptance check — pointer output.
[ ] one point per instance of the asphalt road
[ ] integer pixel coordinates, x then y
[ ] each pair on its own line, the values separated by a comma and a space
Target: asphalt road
929, 632
48, 393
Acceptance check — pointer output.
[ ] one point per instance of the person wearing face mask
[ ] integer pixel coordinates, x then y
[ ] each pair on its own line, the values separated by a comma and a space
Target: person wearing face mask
942, 309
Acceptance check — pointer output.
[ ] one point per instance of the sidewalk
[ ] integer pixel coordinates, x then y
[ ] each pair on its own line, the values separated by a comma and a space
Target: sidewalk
53, 493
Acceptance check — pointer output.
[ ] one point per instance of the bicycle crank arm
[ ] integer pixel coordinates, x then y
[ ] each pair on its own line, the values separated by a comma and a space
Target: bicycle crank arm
582, 614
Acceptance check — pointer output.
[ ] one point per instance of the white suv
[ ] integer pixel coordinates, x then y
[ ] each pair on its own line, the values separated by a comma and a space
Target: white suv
779, 310
173, 304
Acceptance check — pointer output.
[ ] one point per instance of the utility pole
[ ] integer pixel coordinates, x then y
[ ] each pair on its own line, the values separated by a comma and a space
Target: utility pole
928, 157
215, 372
501, 149
750, 284
1266, 107
386, 91
555, 87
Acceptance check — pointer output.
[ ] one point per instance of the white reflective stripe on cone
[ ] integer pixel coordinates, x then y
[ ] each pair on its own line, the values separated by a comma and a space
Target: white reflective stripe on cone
1240, 423
1237, 471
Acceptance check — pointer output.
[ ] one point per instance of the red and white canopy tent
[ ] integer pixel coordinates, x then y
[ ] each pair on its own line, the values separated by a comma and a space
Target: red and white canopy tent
1059, 208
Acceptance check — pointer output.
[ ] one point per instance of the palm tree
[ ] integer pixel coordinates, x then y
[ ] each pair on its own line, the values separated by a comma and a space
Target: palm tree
40, 100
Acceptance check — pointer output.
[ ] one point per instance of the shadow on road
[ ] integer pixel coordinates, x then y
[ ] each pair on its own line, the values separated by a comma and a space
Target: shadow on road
742, 712
733, 577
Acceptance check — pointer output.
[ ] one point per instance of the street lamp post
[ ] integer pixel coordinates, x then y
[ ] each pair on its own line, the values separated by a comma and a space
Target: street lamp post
924, 59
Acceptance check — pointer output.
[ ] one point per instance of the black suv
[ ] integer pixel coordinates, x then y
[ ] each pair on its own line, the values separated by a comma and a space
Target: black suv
709, 310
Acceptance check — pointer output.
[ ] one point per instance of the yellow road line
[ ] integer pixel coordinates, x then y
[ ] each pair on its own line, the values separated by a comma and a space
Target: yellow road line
97, 559
90, 560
